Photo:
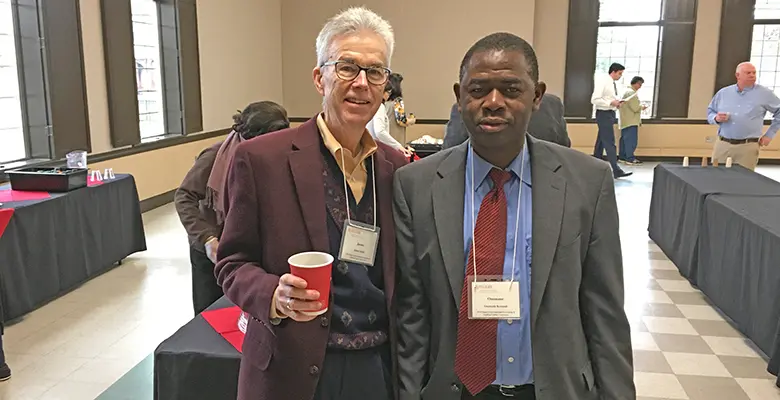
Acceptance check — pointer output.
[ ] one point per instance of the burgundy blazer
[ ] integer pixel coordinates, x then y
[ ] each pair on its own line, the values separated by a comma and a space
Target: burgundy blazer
276, 208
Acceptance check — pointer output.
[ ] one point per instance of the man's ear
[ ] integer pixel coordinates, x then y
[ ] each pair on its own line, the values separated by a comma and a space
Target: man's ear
456, 89
317, 76
541, 89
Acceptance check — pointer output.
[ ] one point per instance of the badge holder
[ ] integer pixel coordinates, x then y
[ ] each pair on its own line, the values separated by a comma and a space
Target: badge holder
359, 241
493, 297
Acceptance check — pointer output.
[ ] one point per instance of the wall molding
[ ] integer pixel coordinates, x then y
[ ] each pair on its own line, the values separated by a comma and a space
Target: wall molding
157, 201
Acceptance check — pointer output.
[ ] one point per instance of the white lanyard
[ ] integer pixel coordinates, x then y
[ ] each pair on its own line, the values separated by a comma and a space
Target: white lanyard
346, 194
474, 218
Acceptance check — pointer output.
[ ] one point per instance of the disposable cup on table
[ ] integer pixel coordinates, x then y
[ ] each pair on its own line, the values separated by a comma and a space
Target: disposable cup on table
315, 268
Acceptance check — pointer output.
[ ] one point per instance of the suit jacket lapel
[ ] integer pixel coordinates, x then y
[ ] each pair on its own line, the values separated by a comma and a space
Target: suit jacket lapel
384, 183
448, 216
306, 167
548, 195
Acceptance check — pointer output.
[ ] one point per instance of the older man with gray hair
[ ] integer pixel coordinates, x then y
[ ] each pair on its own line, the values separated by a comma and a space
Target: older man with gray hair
325, 186
739, 112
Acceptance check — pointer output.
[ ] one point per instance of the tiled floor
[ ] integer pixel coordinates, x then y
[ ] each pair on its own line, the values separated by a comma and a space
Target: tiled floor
81, 344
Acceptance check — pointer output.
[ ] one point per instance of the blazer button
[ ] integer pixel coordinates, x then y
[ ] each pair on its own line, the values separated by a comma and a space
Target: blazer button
314, 370
324, 322
275, 321
455, 387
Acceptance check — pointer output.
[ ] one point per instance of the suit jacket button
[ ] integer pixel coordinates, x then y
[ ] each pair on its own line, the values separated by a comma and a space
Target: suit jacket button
324, 322
275, 321
314, 370
455, 387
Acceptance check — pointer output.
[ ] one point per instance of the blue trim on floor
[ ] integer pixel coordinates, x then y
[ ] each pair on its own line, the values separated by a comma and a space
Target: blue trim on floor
136, 384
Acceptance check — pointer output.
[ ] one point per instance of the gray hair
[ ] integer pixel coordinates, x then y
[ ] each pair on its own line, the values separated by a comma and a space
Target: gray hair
350, 21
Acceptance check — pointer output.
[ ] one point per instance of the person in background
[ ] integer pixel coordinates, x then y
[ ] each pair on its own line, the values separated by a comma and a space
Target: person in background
5, 371
296, 191
739, 112
399, 119
455, 132
381, 126
546, 124
630, 120
605, 99
477, 213
199, 200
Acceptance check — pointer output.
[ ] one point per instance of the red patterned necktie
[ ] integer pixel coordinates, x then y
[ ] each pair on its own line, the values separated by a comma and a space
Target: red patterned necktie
475, 352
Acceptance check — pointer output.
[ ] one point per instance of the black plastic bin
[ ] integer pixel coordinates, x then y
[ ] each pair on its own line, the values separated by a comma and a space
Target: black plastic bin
47, 179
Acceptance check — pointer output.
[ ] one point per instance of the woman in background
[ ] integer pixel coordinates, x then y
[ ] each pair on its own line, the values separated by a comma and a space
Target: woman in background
390, 121
199, 201
396, 111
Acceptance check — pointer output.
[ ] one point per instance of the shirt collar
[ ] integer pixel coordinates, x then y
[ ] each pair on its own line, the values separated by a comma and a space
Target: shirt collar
482, 167
368, 145
745, 90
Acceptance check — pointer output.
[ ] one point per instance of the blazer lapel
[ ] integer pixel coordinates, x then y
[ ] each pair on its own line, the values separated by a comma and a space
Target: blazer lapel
448, 216
548, 195
384, 183
306, 167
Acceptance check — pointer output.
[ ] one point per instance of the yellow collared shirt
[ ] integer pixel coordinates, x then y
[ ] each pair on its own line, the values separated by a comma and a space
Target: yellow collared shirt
354, 167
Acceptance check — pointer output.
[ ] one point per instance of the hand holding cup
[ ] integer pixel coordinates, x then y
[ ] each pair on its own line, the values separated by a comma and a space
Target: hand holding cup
293, 300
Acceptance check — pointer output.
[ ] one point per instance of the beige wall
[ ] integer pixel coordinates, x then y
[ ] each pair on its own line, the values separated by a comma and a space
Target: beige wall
264, 49
240, 56
705, 57
240, 61
428, 50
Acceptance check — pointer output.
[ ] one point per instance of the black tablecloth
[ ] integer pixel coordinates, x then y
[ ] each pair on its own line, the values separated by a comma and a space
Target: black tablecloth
196, 363
677, 201
53, 245
739, 265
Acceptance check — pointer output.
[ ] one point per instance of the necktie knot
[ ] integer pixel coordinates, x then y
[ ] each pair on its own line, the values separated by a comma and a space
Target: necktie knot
499, 178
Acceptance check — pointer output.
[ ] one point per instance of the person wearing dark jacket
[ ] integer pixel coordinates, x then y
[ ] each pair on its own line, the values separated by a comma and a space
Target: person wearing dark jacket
547, 124
199, 200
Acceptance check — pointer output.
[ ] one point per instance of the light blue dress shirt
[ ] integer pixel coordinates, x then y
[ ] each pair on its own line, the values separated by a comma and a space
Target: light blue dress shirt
514, 363
747, 110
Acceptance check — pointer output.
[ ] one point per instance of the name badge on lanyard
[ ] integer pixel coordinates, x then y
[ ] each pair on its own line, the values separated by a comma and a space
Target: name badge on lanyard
494, 298
359, 241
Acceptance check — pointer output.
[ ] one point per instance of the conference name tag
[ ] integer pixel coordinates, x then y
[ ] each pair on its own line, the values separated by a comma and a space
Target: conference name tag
494, 300
359, 243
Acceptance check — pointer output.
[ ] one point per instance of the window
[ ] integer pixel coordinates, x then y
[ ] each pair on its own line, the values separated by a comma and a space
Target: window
146, 46
629, 33
765, 48
12, 139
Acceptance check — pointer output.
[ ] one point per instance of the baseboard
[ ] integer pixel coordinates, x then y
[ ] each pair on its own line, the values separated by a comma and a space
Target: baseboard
157, 201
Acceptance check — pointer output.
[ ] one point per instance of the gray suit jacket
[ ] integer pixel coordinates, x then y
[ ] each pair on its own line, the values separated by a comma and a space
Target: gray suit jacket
546, 124
581, 336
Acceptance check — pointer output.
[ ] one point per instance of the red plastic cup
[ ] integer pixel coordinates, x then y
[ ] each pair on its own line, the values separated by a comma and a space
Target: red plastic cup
315, 268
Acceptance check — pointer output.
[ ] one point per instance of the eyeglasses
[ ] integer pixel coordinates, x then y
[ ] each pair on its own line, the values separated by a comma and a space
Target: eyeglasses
348, 71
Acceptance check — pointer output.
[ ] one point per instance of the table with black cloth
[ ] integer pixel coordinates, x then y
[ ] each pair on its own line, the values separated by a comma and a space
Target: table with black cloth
678, 199
197, 363
52, 245
739, 266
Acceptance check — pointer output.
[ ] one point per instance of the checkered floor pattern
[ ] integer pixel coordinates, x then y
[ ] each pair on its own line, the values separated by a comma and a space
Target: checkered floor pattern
683, 347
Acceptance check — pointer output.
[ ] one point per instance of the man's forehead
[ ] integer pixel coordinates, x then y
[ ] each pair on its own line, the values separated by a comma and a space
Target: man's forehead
500, 62
360, 48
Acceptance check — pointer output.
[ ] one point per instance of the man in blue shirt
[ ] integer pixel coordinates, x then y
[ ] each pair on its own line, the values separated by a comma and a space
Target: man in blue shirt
739, 112
510, 276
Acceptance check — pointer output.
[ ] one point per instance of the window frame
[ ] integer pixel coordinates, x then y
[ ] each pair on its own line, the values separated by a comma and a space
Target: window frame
54, 102
675, 54
180, 70
765, 22
16, 35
